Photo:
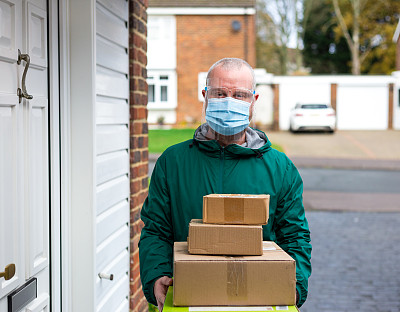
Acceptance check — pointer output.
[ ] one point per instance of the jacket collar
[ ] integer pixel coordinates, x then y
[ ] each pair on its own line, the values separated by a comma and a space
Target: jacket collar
233, 150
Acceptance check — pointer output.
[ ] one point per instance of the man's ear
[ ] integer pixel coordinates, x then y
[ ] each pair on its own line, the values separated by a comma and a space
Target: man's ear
204, 93
256, 96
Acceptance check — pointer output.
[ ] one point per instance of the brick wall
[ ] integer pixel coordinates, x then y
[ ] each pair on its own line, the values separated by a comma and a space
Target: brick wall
138, 141
201, 41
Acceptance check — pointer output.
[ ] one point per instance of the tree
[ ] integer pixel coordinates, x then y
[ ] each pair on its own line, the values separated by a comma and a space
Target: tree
322, 52
365, 25
382, 60
278, 21
267, 49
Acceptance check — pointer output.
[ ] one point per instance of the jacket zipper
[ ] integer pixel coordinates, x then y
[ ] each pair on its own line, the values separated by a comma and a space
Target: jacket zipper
221, 170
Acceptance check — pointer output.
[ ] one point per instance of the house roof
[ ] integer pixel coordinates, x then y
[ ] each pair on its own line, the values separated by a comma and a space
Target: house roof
202, 3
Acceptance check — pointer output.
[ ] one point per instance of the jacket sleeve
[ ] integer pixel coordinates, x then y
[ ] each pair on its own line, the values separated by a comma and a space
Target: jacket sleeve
291, 228
156, 240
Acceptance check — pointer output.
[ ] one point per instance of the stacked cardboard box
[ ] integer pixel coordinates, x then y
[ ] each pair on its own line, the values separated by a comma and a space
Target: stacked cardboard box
225, 261
206, 280
232, 225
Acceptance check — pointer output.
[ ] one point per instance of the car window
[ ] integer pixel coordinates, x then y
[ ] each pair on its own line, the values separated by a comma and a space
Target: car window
314, 106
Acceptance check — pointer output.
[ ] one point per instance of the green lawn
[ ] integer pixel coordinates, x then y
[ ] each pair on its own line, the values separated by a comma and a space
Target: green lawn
159, 140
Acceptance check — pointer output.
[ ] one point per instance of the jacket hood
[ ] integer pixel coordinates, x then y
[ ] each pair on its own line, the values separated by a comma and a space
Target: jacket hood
257, 143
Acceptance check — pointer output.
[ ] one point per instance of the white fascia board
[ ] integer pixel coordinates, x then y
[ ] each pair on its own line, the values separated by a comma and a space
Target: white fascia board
201, 11
396, 33
344, 80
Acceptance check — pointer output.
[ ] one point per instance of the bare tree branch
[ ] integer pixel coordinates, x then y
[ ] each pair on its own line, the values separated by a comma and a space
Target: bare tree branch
342, 24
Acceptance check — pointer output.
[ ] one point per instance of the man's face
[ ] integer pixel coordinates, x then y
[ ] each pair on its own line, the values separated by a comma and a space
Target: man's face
232, 79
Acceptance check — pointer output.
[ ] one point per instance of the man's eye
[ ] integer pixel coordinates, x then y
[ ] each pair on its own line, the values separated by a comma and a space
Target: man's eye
220, 93
240, 95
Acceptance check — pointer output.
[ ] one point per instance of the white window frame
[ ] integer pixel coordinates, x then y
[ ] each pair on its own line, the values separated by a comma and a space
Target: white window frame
171, 83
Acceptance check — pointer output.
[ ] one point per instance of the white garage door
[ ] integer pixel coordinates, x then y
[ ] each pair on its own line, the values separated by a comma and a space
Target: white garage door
362, 107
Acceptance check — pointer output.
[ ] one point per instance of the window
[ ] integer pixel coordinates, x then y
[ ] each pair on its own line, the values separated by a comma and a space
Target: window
162, 89
164, 93
151, 93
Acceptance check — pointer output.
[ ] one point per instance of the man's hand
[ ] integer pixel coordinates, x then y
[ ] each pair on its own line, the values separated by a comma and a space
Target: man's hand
160, 290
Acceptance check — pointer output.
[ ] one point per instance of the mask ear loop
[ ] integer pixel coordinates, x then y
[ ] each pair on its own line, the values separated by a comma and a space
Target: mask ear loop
252, 122
203, 111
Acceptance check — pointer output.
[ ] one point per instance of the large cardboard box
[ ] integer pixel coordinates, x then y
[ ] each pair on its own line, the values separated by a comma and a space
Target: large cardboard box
204, 280
169, 307
235, 209
216, 239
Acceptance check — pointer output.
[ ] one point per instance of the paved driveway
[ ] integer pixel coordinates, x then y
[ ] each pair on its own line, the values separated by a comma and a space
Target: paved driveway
354, 262
366, 145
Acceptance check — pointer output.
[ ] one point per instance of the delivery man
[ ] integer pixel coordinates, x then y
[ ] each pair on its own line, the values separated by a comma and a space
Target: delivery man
225, 156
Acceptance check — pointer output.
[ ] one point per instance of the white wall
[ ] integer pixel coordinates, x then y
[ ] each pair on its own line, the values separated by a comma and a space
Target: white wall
161, 42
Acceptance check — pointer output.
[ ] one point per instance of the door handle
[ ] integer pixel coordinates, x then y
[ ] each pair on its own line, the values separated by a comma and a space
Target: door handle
9, 272
23, 93
106, 276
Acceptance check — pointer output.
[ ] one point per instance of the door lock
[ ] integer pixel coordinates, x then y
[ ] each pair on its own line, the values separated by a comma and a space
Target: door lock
9, 272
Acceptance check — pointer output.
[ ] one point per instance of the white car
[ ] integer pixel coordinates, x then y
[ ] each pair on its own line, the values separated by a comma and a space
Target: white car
312, 117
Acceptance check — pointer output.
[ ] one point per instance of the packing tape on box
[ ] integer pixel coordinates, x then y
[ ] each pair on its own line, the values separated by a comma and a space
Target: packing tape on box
233, 209
236, 279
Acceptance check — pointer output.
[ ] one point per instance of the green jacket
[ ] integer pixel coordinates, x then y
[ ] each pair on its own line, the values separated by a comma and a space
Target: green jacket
186, 172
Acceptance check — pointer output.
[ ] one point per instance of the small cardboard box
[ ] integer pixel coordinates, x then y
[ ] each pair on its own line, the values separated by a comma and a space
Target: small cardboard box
235, 209
169, 307
216, 239
204, 280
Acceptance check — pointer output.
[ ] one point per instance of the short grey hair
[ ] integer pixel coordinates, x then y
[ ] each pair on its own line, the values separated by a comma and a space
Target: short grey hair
229, 63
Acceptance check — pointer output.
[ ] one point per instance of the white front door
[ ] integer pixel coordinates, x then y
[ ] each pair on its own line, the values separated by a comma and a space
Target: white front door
24, 160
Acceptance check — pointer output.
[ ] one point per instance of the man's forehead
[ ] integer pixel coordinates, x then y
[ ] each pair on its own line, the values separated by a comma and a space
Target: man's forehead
234, 78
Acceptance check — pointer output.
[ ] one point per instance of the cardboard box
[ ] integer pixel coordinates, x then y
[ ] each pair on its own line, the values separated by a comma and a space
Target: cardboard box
204, 280
216, 239
235, 209
169, 307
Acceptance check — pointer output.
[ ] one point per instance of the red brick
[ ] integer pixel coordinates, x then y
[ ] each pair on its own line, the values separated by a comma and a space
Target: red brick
145, 182
137, 127
135, 215
136, 186
145, 155
136, 156
138, 226
133, 141
135, 257
134, 243
143, 85
143, 306
139, 171
135, 285
136, 299
145, 141
137, 70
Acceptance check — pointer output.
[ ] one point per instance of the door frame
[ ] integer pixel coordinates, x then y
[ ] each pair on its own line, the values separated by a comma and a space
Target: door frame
54, 138
64, 130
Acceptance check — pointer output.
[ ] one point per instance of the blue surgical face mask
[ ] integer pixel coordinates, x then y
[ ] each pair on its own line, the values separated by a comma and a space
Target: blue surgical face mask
227, 116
